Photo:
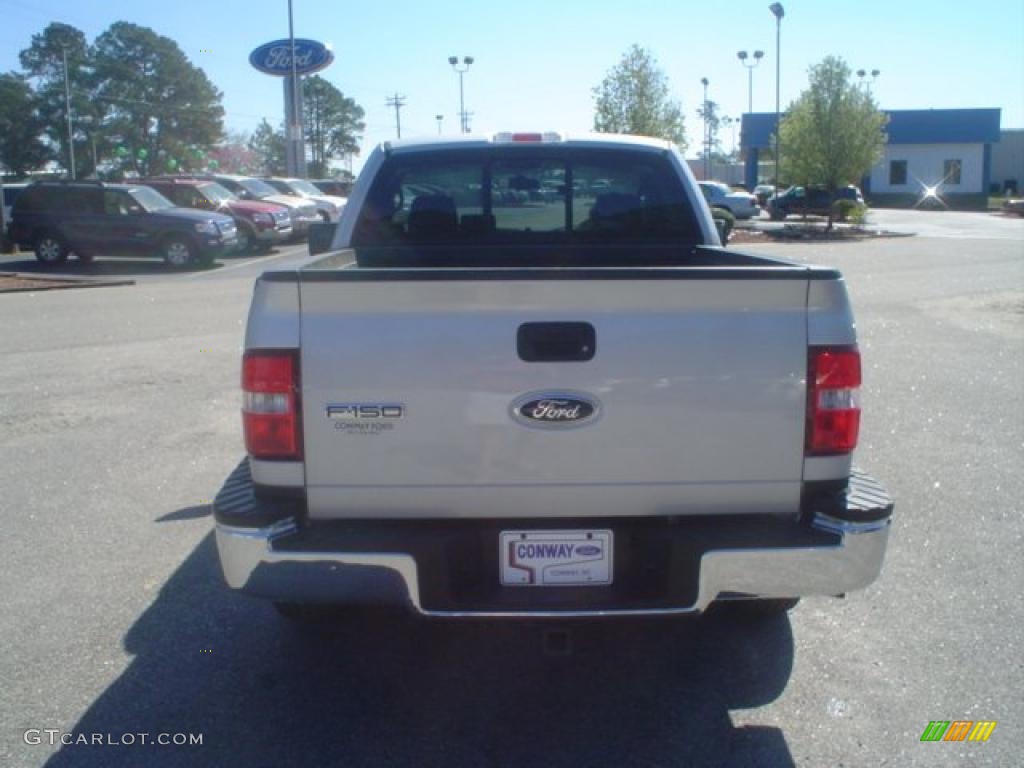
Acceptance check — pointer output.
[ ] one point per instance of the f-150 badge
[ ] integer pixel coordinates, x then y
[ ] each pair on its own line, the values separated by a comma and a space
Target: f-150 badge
555, 409
365, 418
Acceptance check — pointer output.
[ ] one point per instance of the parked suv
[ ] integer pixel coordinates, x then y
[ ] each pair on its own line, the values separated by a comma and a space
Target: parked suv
303, 212
55, 218
259, 224
813, 200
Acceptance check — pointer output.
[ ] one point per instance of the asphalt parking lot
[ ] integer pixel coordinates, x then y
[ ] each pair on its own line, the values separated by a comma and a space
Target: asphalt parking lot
119, 414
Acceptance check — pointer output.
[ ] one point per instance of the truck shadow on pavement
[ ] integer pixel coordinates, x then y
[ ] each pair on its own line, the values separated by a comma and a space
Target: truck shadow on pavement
392, 690
117, 267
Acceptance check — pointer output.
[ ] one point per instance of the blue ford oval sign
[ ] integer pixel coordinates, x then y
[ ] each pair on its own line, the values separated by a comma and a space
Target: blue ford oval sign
276, 58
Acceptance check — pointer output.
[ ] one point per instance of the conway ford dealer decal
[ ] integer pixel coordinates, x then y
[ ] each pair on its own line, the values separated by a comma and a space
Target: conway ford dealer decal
276, 58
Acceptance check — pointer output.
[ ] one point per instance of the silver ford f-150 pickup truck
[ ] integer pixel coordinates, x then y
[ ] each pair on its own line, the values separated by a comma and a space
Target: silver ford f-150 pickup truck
528, 380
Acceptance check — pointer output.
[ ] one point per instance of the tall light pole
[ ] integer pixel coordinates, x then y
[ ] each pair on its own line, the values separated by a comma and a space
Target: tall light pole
778, 11
67, 110
461, 69
744, 60
707, 134
439, 118
868, 83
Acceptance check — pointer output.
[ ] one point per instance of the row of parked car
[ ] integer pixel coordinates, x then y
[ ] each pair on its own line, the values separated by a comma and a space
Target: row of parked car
185, 220
814, 201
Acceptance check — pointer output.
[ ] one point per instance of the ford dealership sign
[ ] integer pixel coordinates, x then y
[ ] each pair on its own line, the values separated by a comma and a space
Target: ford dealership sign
276, 58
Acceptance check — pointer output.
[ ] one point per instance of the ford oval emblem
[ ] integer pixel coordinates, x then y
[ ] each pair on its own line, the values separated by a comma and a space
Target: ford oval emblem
587, 550
276, 58
555, 409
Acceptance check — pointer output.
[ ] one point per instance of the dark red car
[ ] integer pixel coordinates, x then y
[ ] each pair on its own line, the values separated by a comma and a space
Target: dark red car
260, 225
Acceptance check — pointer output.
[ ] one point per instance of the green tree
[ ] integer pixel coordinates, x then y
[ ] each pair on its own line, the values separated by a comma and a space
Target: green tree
833, 133
334, 123
708, 113
158, 105
233, 155
634, 98
268, 146
43, 62
21, 147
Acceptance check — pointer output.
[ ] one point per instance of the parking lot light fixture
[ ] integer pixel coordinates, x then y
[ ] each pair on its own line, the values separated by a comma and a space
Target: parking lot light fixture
867, 84
461, 68
778, 12
746, 61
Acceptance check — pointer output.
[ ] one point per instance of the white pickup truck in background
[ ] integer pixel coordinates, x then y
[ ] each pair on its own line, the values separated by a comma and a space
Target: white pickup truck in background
528, 381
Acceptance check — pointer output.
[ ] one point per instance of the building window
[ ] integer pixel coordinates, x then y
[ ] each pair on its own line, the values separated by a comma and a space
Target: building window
897, 172
951, 171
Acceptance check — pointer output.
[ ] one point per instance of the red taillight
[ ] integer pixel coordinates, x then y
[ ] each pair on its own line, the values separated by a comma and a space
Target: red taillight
526, 137
270, 405
833, 400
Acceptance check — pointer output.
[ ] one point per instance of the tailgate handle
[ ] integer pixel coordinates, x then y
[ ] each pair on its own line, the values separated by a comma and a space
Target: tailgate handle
556, 342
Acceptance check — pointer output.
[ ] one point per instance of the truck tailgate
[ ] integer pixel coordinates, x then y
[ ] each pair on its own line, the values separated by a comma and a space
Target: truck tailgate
700, 385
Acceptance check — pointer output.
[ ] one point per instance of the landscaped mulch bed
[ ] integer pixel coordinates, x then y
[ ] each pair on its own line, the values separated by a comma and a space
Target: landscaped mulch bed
13, 282
809, 233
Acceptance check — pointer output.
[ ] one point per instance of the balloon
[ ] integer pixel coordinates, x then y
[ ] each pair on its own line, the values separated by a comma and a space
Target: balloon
121, 151
171, 163
214, 165
142, 154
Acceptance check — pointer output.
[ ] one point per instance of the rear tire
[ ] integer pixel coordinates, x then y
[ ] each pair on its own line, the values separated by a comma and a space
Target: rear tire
50, 248
178, 252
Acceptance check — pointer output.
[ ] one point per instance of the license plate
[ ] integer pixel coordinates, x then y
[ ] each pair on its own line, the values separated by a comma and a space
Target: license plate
555, 558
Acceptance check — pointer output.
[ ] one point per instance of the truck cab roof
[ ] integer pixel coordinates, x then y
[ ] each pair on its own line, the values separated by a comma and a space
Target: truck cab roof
533, 138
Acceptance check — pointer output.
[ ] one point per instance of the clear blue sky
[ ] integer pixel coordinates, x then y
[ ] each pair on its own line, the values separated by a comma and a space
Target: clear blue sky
537, 60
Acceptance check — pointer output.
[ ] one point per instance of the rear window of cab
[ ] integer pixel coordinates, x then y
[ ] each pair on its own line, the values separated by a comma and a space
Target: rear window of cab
535, 195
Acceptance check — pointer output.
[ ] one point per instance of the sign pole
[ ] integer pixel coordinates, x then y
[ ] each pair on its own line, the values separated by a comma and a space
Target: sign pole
296, 155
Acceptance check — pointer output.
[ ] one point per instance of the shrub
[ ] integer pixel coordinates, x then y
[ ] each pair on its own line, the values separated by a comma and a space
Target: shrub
843, 209
859, 216
721, 214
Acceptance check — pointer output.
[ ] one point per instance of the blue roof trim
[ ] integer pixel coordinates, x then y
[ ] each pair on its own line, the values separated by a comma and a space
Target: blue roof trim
906, 126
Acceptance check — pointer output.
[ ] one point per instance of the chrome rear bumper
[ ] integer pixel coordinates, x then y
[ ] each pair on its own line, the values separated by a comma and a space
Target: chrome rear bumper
254, 563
